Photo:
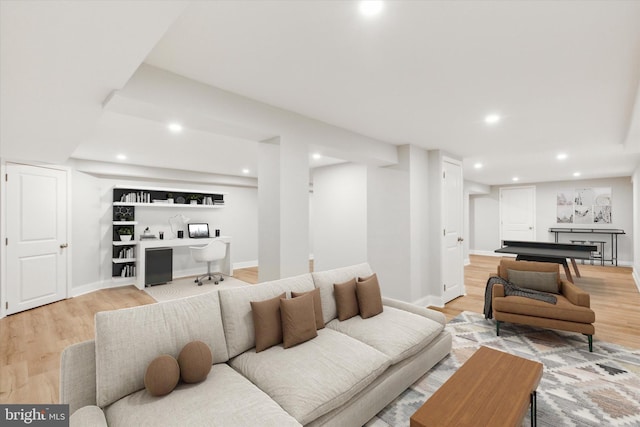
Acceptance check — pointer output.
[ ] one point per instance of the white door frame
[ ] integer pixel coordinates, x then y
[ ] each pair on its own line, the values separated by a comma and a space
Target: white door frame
522, 187
3, 228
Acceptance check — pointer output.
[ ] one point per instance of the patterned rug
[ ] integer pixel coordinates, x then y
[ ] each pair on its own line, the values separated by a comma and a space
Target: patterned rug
185, 287
578, 388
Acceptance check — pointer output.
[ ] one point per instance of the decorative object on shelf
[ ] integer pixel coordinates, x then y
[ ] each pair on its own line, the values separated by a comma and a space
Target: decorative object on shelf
177, 224
125, 233
194, 198
180, 200
123, 213
170, 198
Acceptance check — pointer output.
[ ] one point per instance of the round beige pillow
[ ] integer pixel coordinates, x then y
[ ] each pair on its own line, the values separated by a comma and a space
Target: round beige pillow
195, 362
162, 375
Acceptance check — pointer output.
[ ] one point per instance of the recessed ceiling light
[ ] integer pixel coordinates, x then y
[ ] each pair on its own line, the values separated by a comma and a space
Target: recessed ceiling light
371, 7
245, 171
478, 165
121, 157
175, 127
515, 178
562, 156
492, 119
577, 174
316, 156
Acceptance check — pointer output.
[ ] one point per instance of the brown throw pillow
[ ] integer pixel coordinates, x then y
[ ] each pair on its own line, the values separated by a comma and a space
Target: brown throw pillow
369, 297
317, 305
346, 299
536, 280
298, 320
266, 322
162, 375
195, 360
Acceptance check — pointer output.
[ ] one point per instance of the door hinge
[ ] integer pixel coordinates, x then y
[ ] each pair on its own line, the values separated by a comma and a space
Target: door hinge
6, 241
6, 305
444, 231
445, 287
444, 175
6, 177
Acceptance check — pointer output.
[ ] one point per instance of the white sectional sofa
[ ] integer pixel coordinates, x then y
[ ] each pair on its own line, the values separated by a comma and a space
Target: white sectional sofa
343, 377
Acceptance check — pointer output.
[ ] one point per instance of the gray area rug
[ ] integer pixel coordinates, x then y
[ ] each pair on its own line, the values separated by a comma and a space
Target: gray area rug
185, 287
578, 388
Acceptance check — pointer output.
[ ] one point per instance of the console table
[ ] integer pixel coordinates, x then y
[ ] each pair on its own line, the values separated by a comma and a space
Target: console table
492, 388
613, 232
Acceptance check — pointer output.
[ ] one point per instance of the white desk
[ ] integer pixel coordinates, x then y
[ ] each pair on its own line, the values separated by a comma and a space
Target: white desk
227, 269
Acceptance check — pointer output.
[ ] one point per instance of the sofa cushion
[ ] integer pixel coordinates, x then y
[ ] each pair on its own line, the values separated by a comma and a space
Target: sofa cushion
396, 333
224, 399
346, 299
235, 304
317, 305
536, 280
195, 361
316, 377
562, 310
267, 322
298, 320
128, 340
369, 296
324, 280
506, 264
162, 375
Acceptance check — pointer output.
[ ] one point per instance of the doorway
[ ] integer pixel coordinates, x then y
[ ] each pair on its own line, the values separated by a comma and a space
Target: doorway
36, 236
518, 213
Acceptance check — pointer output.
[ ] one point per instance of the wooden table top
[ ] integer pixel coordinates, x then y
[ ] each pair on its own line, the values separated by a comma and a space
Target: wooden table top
492, 388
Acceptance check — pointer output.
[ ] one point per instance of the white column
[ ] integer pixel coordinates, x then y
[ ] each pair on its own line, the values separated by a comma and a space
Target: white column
283, 200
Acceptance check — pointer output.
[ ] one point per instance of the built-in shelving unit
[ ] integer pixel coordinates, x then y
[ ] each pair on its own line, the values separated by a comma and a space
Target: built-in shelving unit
125, 201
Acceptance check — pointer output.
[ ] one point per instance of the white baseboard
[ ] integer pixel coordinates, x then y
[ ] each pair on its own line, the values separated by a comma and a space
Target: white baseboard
429, 300
245, 264
636, 277
89, 287
487, 253
467, 261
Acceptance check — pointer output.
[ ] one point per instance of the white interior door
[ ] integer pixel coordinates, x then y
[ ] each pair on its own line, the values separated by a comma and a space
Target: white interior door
36, 236
452, 251
518, 213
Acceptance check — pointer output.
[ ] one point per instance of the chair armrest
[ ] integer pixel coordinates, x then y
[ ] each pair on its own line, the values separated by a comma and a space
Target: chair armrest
88, 416
78, 375
415, 309
575, 295
497, 291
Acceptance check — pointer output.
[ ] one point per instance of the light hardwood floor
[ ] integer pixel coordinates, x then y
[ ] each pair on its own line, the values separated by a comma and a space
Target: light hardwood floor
31, 342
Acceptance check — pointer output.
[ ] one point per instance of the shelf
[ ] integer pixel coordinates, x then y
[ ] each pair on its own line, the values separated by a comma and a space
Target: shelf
122, 280
123, 260
125, 222
166, 190
123, 243
168, 205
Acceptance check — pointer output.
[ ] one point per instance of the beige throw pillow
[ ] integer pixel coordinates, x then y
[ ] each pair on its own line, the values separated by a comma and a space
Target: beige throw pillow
162, 375
266, 322
346, 299
369, 296
536, 280
298, 320
317, 305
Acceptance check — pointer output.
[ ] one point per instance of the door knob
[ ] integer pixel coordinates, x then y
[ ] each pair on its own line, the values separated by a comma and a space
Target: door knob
460, 239
64, 245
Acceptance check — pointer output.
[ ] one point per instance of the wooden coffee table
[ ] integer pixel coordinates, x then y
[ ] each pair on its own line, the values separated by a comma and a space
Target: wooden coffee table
492, 388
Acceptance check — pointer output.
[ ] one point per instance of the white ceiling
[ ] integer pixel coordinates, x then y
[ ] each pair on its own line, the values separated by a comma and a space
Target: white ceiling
565, 75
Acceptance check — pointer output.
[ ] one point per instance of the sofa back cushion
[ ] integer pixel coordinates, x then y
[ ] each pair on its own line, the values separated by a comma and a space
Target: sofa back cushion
326, 279
128, 340
510, 264
237, 317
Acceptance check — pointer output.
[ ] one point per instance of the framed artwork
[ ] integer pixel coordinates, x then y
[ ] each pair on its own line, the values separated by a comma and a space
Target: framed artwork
588, 205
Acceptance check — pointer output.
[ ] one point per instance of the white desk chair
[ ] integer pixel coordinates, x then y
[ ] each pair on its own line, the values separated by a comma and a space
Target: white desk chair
214, 251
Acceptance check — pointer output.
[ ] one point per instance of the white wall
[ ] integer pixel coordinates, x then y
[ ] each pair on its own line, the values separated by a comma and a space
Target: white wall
484, 215
636, 225
339, 220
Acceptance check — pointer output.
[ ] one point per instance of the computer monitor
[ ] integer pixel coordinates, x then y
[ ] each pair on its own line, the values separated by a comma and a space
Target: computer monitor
198, 231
